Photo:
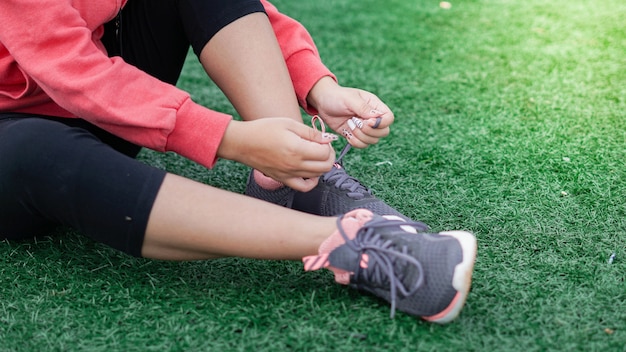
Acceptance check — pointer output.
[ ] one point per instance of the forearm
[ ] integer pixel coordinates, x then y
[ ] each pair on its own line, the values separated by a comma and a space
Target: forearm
300, 53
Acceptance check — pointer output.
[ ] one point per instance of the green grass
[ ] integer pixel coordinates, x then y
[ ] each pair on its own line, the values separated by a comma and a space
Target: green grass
510, 123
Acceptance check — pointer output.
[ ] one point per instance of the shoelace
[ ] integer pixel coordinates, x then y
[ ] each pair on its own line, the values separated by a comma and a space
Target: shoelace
382, 255
338, 174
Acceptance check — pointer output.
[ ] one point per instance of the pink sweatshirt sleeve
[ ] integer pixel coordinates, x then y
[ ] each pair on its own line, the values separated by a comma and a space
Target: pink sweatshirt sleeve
54, 47
303, 60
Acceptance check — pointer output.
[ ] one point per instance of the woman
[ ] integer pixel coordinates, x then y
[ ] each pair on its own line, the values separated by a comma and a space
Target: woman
84, 85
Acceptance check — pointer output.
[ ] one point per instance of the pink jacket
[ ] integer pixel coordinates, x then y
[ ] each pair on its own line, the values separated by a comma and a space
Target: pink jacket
53, 63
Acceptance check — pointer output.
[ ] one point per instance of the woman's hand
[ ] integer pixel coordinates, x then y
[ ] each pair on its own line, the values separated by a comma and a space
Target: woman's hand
338, 106
281, 148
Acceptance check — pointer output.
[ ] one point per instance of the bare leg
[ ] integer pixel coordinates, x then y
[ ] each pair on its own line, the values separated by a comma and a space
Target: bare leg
190, 221
194, 221
245, 61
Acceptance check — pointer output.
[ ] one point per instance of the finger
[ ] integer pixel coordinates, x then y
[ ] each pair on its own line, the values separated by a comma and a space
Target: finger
354, 139
313, 135
357, 132
377, 123
319, 166
380, 116
375, 132
367, 105
301, 184
371, 107
314, 152
311, 168
358, 143
376, 118
361, 136
308, 170
356, 125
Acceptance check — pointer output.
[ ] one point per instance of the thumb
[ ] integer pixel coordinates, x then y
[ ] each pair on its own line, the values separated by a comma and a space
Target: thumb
313, 135
302, 184
368, 112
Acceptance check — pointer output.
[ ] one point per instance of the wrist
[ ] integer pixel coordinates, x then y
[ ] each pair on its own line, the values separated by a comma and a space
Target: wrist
229, 145
316, 94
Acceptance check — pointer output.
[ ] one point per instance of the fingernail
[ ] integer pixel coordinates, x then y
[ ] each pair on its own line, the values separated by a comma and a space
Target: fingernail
357, 121
347, 133
375, 112
377, 123
351, 125
332, 137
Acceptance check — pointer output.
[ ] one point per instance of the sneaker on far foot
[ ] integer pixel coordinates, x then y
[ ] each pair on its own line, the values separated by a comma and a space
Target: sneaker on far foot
336, 193
423, 274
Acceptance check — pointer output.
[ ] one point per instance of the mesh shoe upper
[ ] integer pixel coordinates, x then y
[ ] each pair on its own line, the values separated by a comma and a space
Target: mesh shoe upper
422, 274
336, 193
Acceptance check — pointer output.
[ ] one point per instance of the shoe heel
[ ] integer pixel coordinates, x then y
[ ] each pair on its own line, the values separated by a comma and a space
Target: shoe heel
462, 279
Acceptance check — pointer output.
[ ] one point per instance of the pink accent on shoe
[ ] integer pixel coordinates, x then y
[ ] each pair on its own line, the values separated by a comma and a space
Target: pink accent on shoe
351, 222
315, 262
341, 276
364, 261
266, 182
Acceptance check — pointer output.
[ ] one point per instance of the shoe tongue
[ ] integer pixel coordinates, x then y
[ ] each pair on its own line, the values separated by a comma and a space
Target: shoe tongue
340, 179
345, 260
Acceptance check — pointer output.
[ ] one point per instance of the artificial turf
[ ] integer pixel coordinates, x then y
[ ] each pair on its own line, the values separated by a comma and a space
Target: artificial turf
510, 123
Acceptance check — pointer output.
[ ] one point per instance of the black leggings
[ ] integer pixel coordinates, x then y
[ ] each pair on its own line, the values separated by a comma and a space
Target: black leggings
155, 35
58, 171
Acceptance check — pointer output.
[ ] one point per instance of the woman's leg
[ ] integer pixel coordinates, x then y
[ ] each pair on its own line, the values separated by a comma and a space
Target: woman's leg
233, 39
190, 220
245, 61
53, 174
426, 275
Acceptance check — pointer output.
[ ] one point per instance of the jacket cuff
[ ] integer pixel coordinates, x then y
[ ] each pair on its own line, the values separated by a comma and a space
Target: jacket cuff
198, 133
305, 70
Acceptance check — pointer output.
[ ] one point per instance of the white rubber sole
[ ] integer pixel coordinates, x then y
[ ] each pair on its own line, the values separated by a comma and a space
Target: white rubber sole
462, 278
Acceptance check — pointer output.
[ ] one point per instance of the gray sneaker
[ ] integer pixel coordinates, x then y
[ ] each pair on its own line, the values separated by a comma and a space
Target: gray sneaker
423, 274
336, 193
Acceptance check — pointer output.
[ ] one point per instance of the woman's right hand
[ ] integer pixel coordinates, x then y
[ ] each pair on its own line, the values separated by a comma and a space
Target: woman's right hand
281, 148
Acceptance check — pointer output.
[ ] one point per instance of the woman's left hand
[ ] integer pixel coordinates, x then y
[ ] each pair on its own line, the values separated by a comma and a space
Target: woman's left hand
360, 116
